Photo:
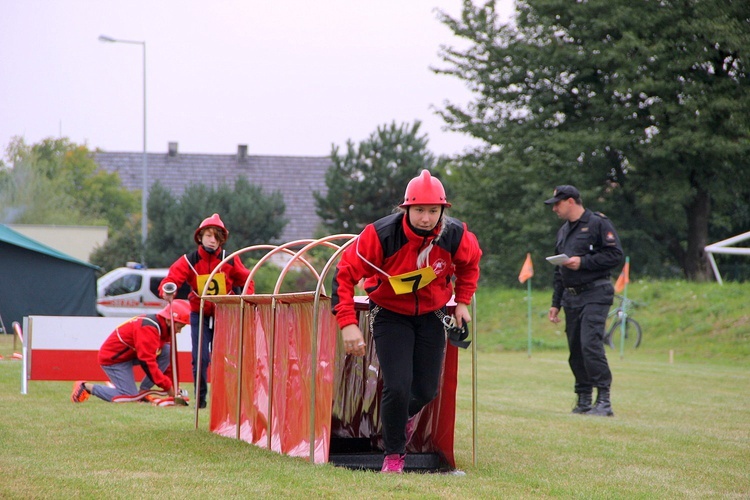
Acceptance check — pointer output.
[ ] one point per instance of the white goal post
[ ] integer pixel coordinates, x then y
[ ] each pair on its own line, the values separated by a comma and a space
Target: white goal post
724, 246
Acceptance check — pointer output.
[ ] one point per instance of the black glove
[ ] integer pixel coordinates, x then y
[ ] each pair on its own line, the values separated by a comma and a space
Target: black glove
457, 335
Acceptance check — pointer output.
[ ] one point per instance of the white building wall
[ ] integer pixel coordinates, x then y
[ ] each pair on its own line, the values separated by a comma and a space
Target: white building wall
76, 241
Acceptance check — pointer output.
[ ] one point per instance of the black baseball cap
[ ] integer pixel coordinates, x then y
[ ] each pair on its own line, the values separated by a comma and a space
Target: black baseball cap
563, 193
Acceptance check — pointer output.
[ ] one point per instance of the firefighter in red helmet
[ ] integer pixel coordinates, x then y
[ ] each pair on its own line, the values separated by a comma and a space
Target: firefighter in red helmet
194, 268
214, 222
141, 341
408, 260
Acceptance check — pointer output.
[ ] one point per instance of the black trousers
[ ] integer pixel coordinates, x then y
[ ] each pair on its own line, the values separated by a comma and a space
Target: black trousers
208, 339
411, 351
584, 327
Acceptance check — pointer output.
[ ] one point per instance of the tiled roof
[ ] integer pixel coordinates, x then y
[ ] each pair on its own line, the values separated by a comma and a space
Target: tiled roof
296, 177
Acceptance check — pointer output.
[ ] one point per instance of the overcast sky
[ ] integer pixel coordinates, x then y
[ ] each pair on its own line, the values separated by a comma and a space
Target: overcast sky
285, 77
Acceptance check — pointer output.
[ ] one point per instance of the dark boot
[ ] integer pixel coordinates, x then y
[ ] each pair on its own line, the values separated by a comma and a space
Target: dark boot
602, 407
584, 403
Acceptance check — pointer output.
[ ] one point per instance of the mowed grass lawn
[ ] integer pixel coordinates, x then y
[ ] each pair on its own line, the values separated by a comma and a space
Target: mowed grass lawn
681, 430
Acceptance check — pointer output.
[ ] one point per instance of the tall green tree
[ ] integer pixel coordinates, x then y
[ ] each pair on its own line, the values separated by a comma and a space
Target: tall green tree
645, 105
368, 181
252, 217
29, 194
57, 182
486, 192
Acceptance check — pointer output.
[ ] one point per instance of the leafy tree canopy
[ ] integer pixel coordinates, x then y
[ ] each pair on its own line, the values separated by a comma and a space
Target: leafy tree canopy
57, 182
251, 216
644, 105
368, 181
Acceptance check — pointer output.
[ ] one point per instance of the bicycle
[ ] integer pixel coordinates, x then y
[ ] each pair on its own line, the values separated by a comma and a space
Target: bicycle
633, 332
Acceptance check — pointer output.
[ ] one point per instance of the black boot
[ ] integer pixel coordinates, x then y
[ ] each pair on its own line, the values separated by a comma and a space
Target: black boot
602, 407
584, 403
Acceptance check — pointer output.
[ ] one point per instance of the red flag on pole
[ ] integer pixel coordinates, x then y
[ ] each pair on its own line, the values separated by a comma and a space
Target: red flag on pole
527, 271
624, 278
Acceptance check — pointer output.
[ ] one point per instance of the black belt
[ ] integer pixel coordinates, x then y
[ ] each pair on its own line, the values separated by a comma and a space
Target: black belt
575, 290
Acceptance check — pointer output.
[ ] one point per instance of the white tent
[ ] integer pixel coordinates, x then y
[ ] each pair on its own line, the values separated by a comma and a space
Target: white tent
724, 247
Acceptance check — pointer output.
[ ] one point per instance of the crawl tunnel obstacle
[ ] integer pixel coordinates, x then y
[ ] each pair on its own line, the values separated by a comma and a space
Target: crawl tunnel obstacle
280, 378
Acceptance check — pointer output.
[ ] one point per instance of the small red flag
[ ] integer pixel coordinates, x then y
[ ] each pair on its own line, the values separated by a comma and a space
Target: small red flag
527, 271
624, 278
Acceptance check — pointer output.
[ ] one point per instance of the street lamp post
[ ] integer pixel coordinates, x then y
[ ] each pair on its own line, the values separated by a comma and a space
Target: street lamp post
144, 194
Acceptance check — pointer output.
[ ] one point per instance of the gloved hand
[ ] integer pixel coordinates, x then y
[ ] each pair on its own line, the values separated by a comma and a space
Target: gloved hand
457, 335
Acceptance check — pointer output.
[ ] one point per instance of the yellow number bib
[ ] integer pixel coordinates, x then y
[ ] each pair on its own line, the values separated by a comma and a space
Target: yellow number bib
218, 285
412, 281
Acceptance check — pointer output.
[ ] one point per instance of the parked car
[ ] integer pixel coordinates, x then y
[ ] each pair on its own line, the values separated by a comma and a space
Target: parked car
132, 290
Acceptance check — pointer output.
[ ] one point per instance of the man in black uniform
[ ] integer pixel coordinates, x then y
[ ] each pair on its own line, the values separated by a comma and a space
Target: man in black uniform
583, 287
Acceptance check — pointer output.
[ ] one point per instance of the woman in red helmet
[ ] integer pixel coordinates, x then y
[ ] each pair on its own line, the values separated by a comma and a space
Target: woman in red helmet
141, 341
194, 268
408, 260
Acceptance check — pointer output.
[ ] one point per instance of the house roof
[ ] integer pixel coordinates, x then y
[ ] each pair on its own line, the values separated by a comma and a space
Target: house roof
296, 177
7, 235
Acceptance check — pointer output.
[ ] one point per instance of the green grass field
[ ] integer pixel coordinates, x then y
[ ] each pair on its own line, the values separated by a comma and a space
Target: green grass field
681, 429
697, 321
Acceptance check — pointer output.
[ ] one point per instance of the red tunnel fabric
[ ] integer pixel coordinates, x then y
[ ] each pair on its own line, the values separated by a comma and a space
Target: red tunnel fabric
277, 387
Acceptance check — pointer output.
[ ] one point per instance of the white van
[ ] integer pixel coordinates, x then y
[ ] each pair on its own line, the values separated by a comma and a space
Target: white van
133, 290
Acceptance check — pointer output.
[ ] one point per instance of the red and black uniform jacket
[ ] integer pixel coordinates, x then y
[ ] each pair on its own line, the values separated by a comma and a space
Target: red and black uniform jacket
191, 265
391, 245
140, 338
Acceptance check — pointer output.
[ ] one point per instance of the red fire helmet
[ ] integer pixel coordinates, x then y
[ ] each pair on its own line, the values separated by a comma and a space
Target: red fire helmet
213, 221
425, 190
180, 312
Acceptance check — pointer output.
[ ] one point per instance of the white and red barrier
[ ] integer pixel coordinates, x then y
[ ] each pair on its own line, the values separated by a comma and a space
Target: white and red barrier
67, 348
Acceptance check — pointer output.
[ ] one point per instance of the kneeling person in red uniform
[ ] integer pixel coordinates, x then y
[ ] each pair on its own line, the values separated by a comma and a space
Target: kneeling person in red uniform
141, 341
